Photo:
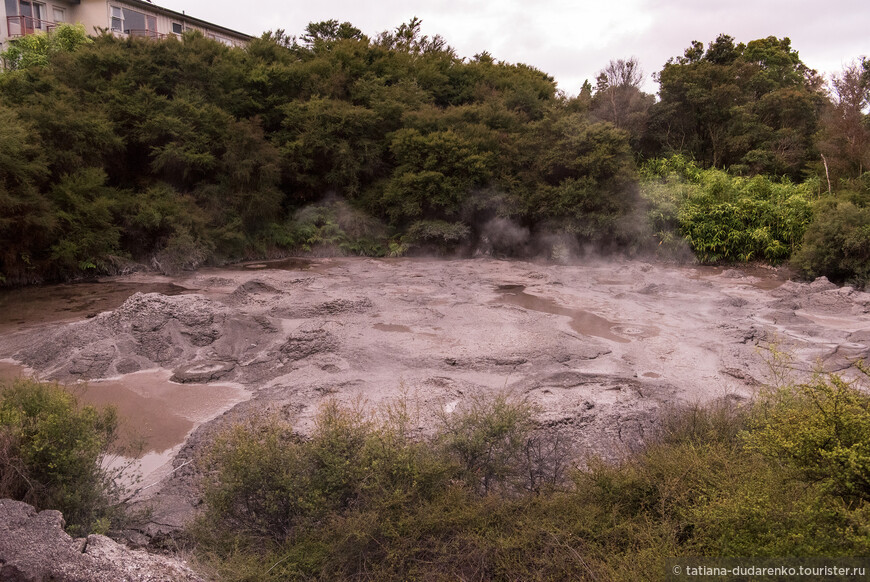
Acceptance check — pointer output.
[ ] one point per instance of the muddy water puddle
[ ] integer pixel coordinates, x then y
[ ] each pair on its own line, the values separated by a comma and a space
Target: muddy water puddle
392, 327
156, 415
583, 322
30, 306
288, 264
759, 277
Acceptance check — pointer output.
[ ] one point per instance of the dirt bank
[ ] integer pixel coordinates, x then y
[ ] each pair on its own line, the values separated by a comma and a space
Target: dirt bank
600, 346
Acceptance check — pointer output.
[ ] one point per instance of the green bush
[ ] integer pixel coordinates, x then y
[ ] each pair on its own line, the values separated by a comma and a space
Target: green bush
52, 453
837, 243
786, 476
36, 49
332, 227
822, 428
487, 438
724, 217
438, 234
268, 482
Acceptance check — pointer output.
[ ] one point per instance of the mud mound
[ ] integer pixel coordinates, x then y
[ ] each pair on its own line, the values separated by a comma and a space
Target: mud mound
202, 372
152, 311
147, 330
256, 286
254, 291
306, 343
340, 306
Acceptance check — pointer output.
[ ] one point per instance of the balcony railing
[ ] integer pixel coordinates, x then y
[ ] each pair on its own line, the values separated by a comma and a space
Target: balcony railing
152, 34
23, 25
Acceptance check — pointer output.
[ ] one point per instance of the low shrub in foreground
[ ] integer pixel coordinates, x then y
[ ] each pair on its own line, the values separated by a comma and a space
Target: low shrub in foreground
363, 500
52, 451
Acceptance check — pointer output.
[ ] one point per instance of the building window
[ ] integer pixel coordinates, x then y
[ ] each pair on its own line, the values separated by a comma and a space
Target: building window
219, 38
126, 20
33, 14
117, 19
58, 15
177, 27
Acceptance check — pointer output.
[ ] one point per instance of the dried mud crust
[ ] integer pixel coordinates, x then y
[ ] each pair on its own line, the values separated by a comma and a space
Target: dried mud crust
601, 347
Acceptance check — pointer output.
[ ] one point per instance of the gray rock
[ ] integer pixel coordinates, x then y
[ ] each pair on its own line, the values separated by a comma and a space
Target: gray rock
34, 548
202, 372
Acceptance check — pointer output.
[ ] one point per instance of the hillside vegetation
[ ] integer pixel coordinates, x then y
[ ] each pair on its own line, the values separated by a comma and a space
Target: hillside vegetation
182, 152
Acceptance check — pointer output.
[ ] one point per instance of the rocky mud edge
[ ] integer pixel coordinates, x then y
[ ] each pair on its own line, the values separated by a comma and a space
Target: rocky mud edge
600, 347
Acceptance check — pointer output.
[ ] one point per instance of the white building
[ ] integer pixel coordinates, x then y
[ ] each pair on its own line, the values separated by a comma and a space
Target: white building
123, 17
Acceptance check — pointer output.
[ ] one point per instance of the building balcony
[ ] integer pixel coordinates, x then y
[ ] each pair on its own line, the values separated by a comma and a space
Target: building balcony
152, 34
19, 26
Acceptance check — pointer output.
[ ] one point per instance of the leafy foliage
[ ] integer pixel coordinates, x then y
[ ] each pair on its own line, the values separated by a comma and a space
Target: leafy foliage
823, 429
52, 452
724, 217
784, 476
183, 152
749, 107
37, 49
837, 242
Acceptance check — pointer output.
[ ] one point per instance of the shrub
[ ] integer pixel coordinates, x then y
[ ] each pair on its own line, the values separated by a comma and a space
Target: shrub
837, 243
725, 217
265, 481
37, 49
490, 438
822, 428
334, 227
785, 477
436, 233
52, 451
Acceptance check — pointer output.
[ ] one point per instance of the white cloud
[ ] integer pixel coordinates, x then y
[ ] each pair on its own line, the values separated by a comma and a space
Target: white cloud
572, 41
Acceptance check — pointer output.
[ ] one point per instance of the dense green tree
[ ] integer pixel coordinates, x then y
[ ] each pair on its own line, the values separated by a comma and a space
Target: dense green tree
435, 172
26, 218
584, 178
329, 145
837, 243
749, 107
185, 151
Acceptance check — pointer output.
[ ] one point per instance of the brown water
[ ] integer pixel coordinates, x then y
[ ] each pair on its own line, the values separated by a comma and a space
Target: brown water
763, 278
30, 306
156, 415
583, 322
392, 327
288, 264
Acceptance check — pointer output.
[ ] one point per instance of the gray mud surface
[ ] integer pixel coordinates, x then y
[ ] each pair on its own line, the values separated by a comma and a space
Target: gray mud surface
602, 347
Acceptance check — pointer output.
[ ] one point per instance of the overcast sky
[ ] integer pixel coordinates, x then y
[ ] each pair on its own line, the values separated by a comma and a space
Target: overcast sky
572, 41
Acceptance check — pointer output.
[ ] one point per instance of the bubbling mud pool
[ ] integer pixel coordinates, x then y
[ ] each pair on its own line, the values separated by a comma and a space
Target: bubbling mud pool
583, 322
600, 347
